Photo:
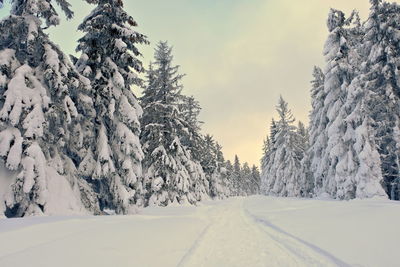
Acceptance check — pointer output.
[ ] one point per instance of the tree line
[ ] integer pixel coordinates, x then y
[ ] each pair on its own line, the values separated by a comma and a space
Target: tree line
77, 120
351, 146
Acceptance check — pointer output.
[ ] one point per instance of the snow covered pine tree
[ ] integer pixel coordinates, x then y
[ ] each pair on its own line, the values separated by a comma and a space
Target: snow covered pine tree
213, 163
282, 160
171, 175
314, 163
109, 59
349, 158
381, 82
39, 91
343, 159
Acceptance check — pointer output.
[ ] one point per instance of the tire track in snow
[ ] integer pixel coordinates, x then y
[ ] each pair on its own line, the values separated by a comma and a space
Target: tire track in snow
194, 246
290, 241
233, 239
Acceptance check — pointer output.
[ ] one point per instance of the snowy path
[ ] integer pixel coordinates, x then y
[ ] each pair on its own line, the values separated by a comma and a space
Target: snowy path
235, 238
248, 232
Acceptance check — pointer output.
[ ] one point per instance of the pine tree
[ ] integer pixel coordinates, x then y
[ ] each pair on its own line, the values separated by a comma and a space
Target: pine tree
40, 92
221, 173
246, 180
342, 157
255, 180
204, 149
380, 77
316, 155
280, 172
302, 136
171, 174
236, 177
193, 140
109, 59
229, 175
339, 165
214, 167
362, 165
366, 181
209, 161
305, 177
267, 159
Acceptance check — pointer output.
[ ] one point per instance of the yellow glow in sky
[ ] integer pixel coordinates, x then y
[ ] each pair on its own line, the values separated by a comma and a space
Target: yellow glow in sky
239, 56
272, 53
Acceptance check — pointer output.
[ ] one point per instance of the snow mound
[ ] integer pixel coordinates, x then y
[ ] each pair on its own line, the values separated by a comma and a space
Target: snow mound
62, 199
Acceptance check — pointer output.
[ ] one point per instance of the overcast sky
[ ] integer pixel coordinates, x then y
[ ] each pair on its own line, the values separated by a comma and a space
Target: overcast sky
239, 56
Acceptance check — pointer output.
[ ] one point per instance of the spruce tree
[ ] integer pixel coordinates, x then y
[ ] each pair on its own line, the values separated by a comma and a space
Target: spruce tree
342, 156
171, 175
256, 180
316, 156
193, 139
380, 78
339, 165
40, 119
302, 136
246, 180
110, 60
221, 174
305, 176
214, 167
236, 177
267, 158
209, 161
280, 172
229, 175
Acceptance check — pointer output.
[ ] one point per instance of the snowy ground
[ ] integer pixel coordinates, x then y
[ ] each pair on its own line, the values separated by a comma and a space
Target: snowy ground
255, 231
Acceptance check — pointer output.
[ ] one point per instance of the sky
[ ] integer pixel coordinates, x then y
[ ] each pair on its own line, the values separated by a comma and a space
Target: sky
239, 56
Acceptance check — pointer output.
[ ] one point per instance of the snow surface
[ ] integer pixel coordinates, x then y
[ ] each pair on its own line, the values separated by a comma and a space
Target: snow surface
59, 192
255, 231
61, 198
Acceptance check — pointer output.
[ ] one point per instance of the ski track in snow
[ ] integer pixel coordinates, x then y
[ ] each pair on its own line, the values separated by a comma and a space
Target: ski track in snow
235, 237
293, 243
215, 234
193, 247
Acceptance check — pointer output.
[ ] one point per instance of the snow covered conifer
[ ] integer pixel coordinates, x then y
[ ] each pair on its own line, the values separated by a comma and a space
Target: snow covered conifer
267, 158
110, 60
221, 173
342, 156
246, 180
193, 140
214, 167
170, 172
208, 155
229, 171
251, 177
236, 177
335, 86
367, 179
280, 171
256, 180
40, 91
380, 78
316, 155
305, 177
336, 157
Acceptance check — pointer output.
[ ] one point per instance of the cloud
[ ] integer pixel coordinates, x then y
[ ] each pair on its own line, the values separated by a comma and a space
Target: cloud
239, 57
271, 52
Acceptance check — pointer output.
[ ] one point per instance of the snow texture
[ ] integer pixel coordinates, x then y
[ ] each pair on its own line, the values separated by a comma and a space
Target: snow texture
255, 231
